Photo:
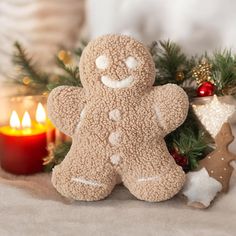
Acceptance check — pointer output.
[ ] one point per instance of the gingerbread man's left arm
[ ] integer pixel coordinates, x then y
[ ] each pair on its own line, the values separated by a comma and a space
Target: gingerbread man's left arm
171, 104
65, 105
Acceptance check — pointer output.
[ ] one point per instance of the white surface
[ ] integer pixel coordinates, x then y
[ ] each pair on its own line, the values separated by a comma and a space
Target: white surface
30, 206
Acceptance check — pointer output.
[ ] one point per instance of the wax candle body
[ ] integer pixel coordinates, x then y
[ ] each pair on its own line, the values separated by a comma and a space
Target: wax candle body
23, 153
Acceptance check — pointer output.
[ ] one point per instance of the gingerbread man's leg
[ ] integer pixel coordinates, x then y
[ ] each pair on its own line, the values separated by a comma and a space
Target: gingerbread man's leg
154, 183
80, 180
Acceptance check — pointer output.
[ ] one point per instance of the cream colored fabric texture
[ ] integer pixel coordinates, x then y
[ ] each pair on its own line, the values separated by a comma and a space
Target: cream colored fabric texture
118, 122
29, 205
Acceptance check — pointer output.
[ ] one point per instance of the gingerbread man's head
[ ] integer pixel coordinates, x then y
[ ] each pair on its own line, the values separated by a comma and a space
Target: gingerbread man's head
116, 63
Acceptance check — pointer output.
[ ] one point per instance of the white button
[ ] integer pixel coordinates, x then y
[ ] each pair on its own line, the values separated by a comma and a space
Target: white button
114, 138
115, 159
115, 115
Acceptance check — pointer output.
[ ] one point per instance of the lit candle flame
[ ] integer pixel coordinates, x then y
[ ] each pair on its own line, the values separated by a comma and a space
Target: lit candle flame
14, 120
40, 114
26, 121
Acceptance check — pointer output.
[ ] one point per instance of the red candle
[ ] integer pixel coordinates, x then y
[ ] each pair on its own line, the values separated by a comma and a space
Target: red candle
23, 145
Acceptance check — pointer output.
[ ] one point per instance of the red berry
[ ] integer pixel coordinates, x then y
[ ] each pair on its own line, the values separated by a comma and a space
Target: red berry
179, 159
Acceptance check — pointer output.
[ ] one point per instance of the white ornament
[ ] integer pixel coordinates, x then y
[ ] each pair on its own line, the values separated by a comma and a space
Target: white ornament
201, 188
214, 114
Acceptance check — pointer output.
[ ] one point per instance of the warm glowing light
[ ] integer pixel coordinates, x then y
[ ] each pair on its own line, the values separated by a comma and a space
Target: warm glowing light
26, 121
14, 120
40, 114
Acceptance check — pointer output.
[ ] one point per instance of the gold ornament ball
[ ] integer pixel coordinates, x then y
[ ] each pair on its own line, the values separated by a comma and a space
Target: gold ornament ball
202, 72
64, 56
26, 80
179, 76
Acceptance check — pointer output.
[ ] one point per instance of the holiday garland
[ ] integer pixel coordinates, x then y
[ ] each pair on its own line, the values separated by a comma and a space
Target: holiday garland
198, 76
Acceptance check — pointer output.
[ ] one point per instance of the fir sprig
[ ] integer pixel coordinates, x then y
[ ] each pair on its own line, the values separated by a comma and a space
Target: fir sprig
224, 72
191, 140
169, 60
78, 51
59, 154
192, 146
37, 80
69, 76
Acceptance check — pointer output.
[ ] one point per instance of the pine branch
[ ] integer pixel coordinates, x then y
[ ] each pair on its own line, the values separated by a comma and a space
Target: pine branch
58, 155
191, 140
70, 76
224, 72
78, 51
70, 73
192, 146
169, 60
37, 81
73, 73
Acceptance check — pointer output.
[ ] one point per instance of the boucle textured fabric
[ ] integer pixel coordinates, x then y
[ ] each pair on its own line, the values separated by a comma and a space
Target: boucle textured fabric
117, 122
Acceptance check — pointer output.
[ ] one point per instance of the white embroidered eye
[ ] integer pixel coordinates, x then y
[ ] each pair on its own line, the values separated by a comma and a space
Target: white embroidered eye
131, 62
102, 62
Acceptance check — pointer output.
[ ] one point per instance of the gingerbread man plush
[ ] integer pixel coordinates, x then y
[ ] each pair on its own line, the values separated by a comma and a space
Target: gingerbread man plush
118, 122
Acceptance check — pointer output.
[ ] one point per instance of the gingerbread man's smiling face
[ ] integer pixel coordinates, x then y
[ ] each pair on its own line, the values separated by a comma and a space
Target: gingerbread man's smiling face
116, 63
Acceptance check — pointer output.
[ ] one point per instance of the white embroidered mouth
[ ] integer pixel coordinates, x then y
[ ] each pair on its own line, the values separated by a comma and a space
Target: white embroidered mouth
125, 83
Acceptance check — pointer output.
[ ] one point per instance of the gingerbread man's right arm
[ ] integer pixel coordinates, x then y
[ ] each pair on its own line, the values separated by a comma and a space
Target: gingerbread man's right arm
171, 106
65, 104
